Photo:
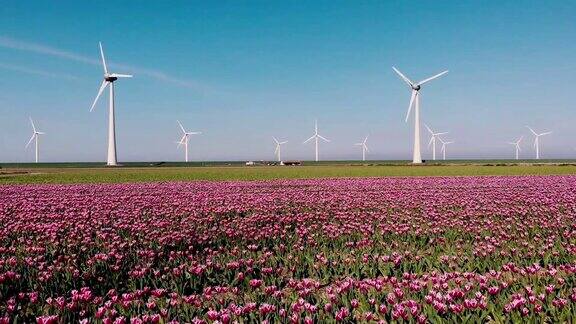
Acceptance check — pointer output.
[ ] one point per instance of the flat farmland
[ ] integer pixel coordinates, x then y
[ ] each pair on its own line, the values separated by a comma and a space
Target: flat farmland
74, 174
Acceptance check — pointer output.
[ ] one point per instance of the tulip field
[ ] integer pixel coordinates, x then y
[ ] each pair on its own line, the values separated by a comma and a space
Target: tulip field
412, 249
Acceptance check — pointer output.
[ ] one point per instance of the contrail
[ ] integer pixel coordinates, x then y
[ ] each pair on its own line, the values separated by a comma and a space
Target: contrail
11, 43
28, 70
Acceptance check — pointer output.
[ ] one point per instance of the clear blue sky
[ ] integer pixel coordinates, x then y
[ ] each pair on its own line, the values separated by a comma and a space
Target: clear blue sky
244, 71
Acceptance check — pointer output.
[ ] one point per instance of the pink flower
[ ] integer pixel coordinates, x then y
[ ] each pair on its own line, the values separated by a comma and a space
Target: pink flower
354, 303
255, 283
212, 315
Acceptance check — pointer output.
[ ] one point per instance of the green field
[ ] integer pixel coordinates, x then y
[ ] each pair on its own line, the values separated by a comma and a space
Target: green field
74, 173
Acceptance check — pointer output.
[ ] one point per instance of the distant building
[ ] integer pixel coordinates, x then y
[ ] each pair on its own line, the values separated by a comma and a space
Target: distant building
291, 163
249, 163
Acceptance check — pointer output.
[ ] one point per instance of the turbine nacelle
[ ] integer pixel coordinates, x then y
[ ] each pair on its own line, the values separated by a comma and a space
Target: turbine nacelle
416, 87
185, 134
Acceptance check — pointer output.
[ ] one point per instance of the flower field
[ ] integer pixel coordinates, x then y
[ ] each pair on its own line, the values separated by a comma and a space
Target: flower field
423, 250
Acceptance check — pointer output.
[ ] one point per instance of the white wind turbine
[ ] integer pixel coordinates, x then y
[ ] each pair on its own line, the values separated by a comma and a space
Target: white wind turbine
364, 148
109, 79
444, 147
37, 138
517, 146
316, 136
415, 100
277, 150
432, 142
185, 138
537, 140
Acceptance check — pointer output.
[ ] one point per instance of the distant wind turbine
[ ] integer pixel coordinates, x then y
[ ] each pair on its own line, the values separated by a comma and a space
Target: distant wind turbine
517, 146
109, 79
432, 142
277, 150
316, 136
537, 140
444, 147
364, 148
185, 138
37, 138
415, 100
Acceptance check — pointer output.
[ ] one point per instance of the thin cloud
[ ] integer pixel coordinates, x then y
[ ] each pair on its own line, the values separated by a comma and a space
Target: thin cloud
27, 70
15, 44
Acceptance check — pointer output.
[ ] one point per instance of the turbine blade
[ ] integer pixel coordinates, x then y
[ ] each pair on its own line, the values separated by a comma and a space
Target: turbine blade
366, 147
311, 138
275, 140
429, 130
182, 140
443, 133
30, 141
181, 127
533, 132
117, 75
32, 122
410, 83
546, 133
103, 59
283, 142
102, 87
414, 94
194, 133
431, 140
326, 140
432, 78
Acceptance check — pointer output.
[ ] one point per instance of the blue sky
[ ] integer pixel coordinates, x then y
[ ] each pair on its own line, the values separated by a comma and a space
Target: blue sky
244, 71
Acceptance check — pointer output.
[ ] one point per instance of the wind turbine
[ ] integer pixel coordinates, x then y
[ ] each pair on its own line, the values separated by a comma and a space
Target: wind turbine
537, 140
277, 150
109, 79
415, 100
432, 142
444, 147
517, 145
35, 136
316, 136
184, 139
364, 148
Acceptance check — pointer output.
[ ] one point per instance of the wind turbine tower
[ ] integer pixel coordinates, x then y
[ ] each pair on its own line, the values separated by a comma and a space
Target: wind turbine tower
517, 146
432, 142
35, 136
364, 148
185, 139
315, 137
444, 147
278, 147
537, 141
415, 101
109, 79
